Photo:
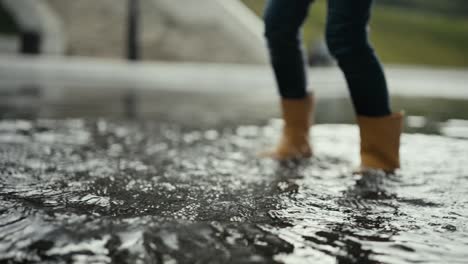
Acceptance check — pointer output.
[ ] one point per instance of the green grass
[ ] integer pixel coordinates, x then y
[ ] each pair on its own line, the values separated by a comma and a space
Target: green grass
453, 7
7, 24
402, 36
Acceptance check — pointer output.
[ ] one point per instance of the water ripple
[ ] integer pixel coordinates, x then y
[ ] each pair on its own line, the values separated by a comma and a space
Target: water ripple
109, 192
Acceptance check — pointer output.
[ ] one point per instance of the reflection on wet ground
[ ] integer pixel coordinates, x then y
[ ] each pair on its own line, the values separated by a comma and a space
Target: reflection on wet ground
101, 192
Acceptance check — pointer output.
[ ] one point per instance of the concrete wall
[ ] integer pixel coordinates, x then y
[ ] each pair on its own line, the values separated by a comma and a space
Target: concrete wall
172, 30
217, 30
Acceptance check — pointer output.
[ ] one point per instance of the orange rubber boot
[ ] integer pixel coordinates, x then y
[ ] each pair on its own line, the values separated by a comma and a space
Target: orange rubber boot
294, 142
380, 141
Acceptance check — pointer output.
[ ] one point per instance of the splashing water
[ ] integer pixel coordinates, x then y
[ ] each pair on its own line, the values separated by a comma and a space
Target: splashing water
102, 192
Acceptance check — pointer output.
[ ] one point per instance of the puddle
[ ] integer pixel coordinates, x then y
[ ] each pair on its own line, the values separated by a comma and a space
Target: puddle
100, 192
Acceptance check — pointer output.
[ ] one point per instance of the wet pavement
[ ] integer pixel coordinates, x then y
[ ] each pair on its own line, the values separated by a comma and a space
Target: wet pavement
75, 191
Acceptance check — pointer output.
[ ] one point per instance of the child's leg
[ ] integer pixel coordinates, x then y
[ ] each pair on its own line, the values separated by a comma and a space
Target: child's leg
347, 39
348, 42
283, 21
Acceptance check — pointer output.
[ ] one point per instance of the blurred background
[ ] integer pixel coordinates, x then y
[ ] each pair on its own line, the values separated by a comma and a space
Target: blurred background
205, 61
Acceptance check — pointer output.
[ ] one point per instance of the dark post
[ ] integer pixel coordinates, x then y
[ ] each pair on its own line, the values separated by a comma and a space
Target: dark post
133, 53
29, 94
30, 43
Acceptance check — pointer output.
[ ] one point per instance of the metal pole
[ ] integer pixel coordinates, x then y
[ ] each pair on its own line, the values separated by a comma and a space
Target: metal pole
133, 53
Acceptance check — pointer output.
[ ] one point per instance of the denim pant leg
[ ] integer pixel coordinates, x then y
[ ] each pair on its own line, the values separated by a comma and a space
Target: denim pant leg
347, 39
283, 22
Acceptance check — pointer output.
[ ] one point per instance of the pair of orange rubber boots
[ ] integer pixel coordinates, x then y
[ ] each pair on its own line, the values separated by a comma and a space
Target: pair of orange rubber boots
380, 136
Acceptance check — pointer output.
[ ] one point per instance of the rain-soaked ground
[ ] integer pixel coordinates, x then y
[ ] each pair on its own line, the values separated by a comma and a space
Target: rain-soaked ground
78, 191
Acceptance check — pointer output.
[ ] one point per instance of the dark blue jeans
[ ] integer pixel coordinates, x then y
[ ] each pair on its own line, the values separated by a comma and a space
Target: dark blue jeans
347, 40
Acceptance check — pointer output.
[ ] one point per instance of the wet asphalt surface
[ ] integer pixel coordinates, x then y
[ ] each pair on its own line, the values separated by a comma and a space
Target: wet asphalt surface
75, 191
